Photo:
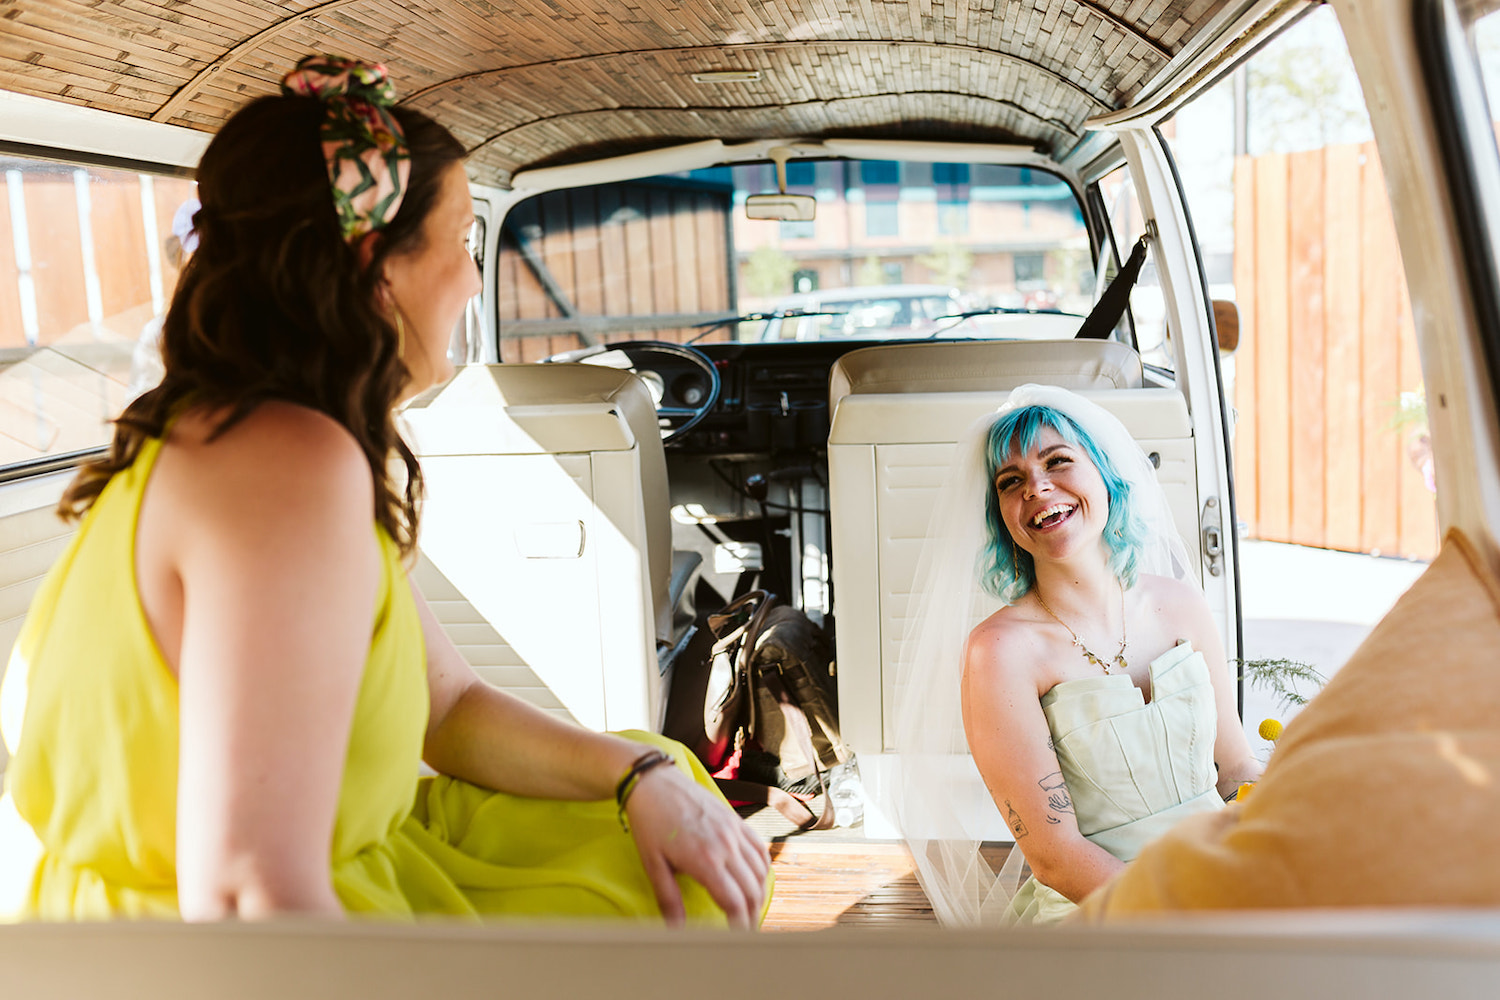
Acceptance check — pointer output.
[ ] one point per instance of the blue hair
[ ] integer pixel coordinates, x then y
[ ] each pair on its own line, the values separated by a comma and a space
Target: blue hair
1006, 571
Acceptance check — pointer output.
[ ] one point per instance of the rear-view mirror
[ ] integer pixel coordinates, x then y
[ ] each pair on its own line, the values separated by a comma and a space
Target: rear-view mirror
782, 207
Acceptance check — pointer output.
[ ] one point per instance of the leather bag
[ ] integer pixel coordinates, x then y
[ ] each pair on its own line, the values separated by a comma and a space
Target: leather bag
769, 723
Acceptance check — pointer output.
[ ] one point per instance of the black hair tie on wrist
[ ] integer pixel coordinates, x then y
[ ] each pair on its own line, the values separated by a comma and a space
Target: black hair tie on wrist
623, 790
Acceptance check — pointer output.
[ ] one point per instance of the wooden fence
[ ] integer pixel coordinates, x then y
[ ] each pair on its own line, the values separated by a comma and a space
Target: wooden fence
118, 261
1327, 348
82, 271
616, 261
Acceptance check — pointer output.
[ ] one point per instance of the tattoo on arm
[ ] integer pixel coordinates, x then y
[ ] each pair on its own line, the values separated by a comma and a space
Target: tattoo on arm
1058, 799
1013, 820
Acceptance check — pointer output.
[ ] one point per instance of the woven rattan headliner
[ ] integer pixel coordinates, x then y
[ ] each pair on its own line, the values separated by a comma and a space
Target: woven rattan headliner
538, 82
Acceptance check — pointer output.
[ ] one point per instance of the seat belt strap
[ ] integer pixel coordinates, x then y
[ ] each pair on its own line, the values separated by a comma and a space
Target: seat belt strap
1111, 305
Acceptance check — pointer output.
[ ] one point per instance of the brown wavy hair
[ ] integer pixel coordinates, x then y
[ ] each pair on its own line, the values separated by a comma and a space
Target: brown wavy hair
274, 305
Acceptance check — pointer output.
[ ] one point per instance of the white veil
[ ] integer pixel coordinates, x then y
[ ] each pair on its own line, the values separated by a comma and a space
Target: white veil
936, 796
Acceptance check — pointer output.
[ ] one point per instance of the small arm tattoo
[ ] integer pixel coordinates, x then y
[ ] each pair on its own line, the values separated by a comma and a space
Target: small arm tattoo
1013, 820
1056, 788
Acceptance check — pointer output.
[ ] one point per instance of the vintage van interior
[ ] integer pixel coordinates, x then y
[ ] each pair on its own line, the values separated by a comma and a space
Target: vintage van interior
657, 406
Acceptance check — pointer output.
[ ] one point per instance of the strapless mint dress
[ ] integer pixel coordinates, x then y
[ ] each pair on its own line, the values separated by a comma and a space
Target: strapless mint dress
1133, 768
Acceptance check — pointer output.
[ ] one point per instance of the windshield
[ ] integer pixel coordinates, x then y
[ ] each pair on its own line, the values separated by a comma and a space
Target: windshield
896, 250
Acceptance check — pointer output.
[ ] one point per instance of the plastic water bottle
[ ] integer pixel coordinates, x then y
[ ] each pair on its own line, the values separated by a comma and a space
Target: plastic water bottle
846, 793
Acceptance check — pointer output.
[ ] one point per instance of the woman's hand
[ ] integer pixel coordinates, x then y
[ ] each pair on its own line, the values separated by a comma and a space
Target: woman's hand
681, 827
491, 738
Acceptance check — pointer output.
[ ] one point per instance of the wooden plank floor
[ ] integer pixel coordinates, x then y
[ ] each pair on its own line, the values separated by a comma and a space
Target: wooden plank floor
821, 883
823, 880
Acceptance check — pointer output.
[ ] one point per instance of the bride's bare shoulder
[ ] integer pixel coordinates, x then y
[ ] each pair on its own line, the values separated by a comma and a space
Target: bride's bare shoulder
1008, 640
1167, 591
1178, 602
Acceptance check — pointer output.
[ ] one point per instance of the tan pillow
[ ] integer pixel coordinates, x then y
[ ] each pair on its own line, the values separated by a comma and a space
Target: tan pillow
1385, 790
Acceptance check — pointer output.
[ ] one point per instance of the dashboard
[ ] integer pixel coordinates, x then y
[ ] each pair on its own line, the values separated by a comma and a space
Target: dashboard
773, 397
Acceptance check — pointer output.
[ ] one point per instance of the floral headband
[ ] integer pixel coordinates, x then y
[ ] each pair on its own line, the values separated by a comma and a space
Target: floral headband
366, 151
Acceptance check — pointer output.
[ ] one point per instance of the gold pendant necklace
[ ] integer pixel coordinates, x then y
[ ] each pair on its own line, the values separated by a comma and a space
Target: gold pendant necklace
1089, 654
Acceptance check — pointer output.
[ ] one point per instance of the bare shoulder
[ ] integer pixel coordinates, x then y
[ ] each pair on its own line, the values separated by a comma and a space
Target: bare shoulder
281, 461
277, 444
1005, 645
295, 434
1181, 604
1169, 595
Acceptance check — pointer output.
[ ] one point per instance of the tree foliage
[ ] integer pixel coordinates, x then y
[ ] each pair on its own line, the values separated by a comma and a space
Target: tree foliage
769, 272
1303, 93
950, 262
870, 272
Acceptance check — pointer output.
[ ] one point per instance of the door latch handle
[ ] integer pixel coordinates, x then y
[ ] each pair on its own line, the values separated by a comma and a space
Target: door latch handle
1211, 527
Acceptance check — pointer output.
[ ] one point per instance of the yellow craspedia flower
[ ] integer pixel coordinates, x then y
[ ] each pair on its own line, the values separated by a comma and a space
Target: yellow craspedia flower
1270, 729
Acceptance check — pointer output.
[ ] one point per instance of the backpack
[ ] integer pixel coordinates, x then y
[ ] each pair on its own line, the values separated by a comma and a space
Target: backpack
754, 697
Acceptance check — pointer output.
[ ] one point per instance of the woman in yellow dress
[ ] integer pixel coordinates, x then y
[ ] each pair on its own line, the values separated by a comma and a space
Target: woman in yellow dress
220, 699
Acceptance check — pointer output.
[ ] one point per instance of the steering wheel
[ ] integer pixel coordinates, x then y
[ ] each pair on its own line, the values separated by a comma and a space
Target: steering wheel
701, 396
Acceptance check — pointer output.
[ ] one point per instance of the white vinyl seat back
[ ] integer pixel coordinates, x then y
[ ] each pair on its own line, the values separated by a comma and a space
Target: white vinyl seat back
546, 533
984, 366
485, 649
888, 453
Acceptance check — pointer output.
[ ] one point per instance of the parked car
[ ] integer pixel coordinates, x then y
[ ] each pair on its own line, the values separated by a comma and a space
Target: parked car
875, 312
605, 139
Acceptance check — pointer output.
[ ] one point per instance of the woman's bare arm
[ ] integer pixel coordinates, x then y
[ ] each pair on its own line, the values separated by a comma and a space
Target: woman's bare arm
1231, 748
268, 531
1012, 746
491, 738
1189, 614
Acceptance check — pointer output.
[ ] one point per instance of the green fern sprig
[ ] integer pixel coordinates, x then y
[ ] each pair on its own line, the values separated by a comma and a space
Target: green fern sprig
1281, 678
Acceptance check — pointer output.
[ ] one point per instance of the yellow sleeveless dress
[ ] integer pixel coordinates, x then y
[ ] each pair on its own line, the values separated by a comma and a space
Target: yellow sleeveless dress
88, 820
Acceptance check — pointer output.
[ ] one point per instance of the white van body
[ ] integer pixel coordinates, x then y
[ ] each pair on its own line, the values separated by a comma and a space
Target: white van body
1426, 107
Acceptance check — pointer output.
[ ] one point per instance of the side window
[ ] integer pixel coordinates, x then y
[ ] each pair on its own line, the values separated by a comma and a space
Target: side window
1291, 209
1147, 312
1333, 465
88, 262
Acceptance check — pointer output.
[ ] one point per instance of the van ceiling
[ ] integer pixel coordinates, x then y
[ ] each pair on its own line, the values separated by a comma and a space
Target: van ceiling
535, 83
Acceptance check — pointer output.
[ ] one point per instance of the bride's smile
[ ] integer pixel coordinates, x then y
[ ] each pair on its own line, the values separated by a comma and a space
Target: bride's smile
1052, 497
1052, 516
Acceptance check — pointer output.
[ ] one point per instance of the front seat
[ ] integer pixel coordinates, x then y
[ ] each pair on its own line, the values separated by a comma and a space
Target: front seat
546, 538
899, 411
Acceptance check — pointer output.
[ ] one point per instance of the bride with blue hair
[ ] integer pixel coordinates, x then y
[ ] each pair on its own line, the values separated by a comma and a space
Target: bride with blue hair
1094, 701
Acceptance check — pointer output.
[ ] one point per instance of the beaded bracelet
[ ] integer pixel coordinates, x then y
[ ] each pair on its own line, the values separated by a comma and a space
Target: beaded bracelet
643, 763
